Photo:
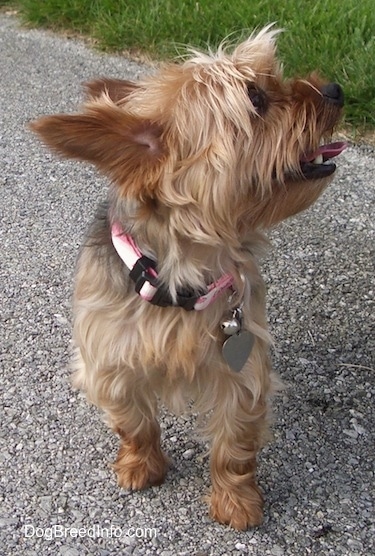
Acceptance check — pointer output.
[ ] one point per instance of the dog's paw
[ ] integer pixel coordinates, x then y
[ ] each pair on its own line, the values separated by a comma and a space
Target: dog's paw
240, 510
136, 471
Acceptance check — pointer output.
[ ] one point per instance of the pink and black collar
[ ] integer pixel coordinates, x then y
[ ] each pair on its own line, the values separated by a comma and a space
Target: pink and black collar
143, 273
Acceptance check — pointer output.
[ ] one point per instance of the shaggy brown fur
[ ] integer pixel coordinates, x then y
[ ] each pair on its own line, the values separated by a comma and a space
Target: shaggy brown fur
203, 156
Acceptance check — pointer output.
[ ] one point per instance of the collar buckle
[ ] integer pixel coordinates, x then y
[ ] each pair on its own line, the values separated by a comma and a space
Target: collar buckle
140, 273
145, 277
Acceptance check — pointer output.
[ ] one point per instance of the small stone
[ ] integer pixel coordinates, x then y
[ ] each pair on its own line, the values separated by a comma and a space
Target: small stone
129, 541
78, 516
46, 502
68, 551
358, 428
60, 319
6, 521
352, 434
354, 544
4, 456
188, 454
94, 512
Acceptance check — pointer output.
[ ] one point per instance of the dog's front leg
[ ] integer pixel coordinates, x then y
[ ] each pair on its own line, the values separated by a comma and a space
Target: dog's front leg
140, 460
238, 427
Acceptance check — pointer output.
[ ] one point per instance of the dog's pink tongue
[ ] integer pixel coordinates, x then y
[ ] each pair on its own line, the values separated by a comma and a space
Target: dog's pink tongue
327, 151
333, 149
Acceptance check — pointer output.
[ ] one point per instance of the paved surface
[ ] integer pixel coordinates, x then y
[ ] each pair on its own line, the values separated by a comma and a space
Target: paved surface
318, 474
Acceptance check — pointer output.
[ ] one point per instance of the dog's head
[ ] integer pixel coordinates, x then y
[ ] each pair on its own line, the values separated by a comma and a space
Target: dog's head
221, 142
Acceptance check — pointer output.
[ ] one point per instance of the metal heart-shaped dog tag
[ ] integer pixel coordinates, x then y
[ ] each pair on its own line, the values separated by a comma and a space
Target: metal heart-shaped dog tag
237, 348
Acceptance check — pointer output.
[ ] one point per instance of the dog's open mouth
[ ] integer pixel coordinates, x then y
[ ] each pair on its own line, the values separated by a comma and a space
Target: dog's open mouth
318, 164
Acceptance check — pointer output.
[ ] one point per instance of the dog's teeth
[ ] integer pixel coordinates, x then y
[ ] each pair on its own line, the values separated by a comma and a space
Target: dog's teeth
318, 159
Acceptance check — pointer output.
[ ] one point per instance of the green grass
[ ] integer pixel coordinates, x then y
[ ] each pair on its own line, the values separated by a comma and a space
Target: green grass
337, 37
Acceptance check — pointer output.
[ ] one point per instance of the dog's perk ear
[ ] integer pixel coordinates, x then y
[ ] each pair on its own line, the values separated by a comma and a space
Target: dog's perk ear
116, 89
126, 147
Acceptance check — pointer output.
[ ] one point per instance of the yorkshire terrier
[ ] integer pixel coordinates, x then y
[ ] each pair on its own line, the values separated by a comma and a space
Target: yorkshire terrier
203, 156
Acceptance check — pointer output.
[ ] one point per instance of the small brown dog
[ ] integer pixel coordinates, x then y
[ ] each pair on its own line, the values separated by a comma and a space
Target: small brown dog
203, 156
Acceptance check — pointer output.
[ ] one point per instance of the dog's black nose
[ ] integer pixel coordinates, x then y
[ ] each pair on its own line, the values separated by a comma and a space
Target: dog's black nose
332, 92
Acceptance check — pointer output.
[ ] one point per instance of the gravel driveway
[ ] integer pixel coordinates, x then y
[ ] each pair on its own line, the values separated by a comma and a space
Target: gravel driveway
58, 494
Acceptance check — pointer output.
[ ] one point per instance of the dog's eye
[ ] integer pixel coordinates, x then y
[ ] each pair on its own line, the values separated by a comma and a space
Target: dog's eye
258, 98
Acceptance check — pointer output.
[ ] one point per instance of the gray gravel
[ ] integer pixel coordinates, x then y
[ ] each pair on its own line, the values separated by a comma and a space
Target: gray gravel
318, 474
